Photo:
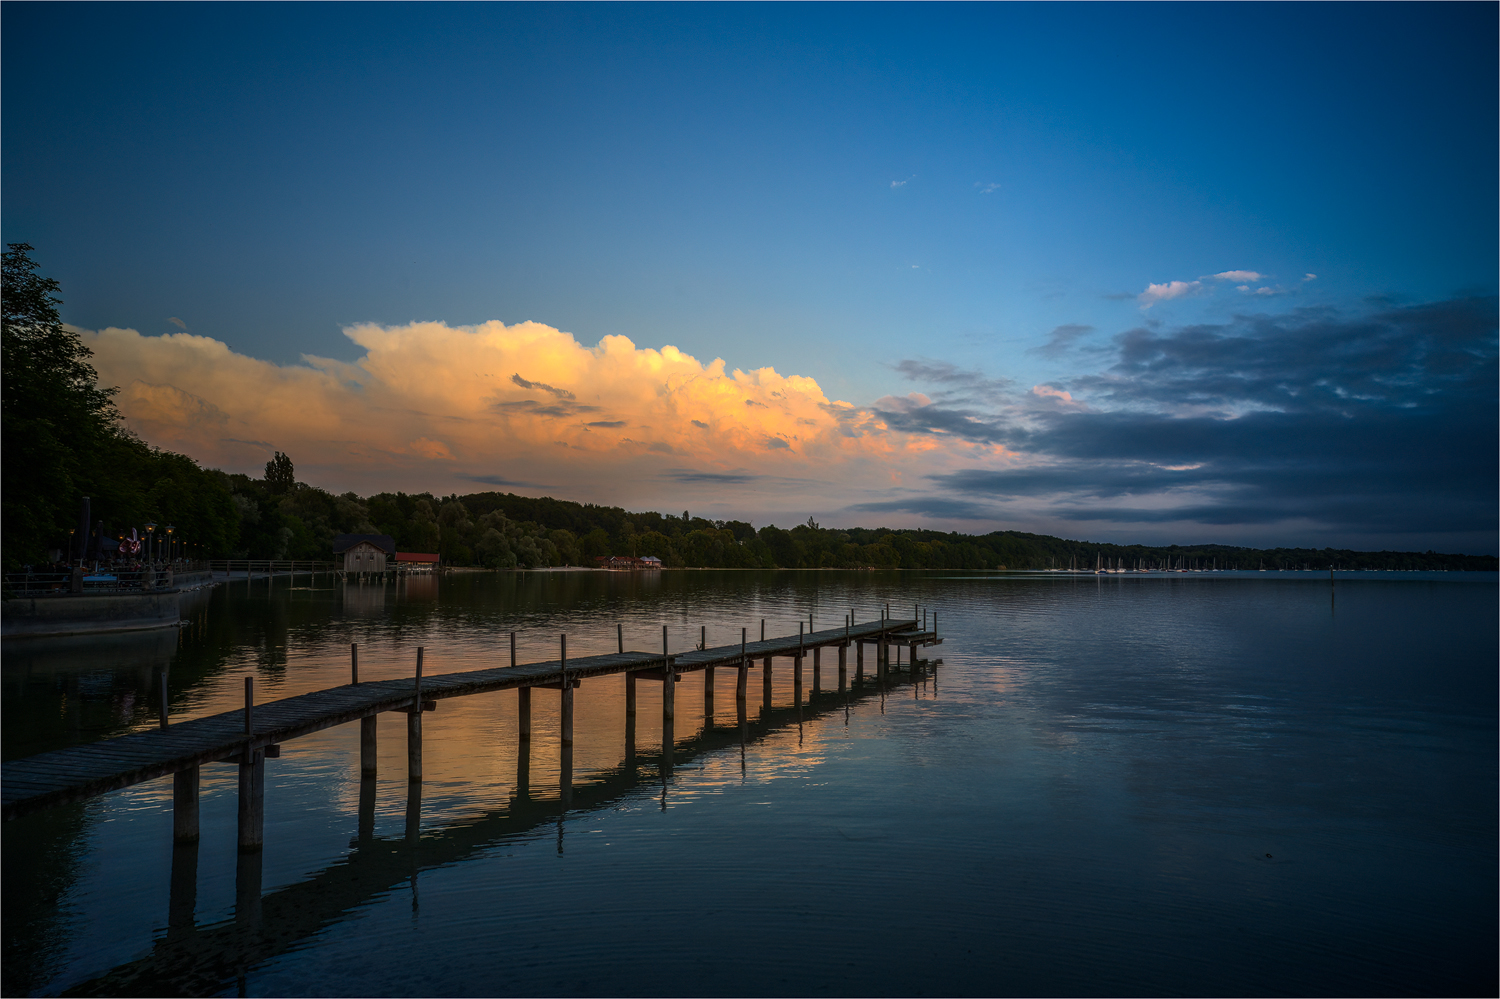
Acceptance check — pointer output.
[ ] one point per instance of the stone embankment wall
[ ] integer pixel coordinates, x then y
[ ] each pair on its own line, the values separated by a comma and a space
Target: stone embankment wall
85, 613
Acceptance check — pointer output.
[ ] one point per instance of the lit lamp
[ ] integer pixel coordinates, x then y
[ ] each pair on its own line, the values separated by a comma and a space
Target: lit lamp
150, 538
170, 529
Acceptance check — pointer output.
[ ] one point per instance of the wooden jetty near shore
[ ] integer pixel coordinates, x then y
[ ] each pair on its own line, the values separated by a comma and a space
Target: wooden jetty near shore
252, 735
193, 958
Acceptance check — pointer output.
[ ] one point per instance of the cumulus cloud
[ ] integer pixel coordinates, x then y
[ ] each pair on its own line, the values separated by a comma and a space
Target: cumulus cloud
1376, 428
428, 405
1240, 277
1171, 289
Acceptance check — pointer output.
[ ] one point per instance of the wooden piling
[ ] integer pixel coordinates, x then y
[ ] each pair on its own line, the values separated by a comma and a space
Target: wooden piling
182, 897
366, 809
565, 709
620, 637
163, 715
354, 663
252, 804
413, 812
414, 727
630, 714
513, 648
523, 715
668, 702
185, 806
765, 682
817, 668
247, 881
368, 758
742, 677
843, 667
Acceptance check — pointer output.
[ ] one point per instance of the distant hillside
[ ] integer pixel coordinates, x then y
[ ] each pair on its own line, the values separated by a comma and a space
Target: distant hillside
503, 530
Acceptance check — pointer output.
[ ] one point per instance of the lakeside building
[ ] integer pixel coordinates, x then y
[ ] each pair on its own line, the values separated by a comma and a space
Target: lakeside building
416, 562
627, 562
364, 552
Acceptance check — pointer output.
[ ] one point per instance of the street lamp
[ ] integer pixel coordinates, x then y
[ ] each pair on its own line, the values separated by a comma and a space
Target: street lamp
170, 529
150, 538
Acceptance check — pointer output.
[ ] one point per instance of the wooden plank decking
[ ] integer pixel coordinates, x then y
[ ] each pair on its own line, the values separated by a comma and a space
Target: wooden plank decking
79, 772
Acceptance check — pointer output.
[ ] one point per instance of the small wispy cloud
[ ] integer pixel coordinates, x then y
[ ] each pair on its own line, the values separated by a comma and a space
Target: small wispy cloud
560, 393
1168, 290
1061, 340
899, 183
177, 322
1309, 277
606, 423
1239, 277
693, 477
984, 188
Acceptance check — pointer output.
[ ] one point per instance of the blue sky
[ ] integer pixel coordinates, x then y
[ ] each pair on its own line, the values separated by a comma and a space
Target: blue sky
877, 197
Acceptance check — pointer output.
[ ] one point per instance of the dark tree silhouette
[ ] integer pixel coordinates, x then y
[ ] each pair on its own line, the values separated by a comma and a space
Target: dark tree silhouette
280, 476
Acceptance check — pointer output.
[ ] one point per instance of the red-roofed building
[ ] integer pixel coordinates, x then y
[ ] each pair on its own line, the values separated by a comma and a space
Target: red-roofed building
416, 562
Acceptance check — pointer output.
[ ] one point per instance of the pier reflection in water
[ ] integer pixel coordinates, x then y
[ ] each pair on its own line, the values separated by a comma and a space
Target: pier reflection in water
1080, 800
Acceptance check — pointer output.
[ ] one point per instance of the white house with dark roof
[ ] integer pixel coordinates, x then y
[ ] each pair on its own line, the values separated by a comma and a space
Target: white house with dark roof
364, 552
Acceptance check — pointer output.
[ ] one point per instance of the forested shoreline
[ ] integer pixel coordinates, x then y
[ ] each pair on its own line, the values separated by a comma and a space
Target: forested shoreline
63, 440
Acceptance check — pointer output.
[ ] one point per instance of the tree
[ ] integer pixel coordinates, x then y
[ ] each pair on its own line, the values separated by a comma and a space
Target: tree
56, 424
280, 476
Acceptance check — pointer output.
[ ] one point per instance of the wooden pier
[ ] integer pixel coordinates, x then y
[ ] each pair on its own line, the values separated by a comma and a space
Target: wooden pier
255, 733
192, 958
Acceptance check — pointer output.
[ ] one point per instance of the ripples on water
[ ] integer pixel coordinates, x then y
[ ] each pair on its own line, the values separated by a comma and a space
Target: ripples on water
1217, 784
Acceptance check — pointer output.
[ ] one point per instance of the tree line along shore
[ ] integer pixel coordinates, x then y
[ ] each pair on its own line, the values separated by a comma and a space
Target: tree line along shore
63, 439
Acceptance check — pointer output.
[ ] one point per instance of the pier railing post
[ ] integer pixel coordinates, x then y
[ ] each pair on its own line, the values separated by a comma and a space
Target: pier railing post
708, 683
414, 727
843, 667
797, 665
354, 663
620, 637
742, 677
252, 782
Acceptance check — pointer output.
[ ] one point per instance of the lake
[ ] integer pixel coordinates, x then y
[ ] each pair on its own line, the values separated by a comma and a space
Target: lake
1217, 783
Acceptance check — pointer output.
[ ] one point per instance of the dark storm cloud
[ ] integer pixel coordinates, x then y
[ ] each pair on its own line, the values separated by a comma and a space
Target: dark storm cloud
1381, 423
930, 506
495, 480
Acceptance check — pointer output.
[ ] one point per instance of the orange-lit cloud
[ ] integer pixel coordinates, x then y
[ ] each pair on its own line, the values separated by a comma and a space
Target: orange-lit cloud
431, 406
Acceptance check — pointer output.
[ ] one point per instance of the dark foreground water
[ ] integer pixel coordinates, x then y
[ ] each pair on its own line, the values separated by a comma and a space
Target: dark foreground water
1186, 784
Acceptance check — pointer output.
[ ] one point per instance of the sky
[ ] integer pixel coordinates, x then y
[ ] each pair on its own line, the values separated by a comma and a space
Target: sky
1131, 272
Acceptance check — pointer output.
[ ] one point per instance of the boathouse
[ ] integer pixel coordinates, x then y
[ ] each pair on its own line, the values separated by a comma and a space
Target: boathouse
416, 562
364, 552
627, 562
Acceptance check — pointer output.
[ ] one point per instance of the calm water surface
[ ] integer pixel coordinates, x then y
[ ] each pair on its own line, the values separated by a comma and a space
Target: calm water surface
1185, 784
